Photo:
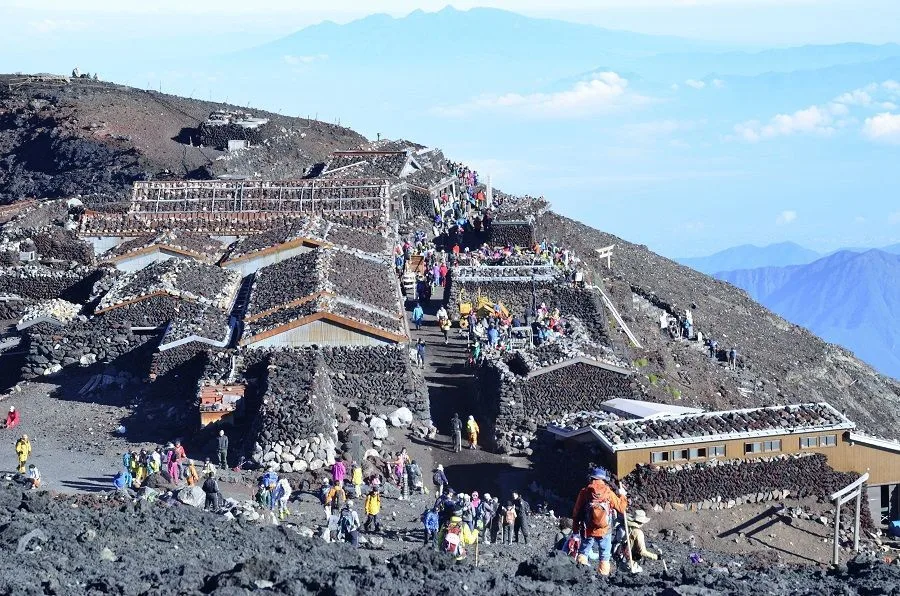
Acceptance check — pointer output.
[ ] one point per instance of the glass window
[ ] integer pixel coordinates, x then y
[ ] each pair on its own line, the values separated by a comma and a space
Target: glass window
809, 442
829, 441
659, 456
717, 451
772, 445
679, 454
752, 447
698, 453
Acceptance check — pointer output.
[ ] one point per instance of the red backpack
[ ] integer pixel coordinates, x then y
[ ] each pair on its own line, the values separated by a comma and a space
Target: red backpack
453, 539
572, 545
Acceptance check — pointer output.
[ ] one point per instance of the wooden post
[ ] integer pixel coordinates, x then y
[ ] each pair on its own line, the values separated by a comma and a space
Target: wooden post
856, 522
837, 530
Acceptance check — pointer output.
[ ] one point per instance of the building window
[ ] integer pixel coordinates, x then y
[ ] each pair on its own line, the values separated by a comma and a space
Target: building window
679, 454
659, 456
772, 445
752, 447
829, 441
698, 453
717, 451
809, 442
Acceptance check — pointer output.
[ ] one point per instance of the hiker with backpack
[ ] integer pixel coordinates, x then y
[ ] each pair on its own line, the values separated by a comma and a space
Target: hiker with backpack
456, 426
431, 523
484, 515
455, 536
593, 517
523, 510
348, 525
281, 496
440, 480
509, 521
373, 509
334, 499
414, 473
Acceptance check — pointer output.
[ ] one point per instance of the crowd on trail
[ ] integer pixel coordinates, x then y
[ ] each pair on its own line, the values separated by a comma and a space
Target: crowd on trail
682, 329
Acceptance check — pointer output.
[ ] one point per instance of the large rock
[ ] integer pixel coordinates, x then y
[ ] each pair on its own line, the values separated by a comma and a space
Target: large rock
300, 465
379, 428
401, 417
192, 495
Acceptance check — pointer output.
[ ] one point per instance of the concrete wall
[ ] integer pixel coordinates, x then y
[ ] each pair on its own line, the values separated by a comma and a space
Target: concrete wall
252, 265
138, 262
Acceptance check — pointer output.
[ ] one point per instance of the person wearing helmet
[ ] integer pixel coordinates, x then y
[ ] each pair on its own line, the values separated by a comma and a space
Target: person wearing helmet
593, 516
23, 451
12, 418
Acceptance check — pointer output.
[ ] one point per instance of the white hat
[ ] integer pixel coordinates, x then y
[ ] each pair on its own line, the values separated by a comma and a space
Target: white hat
471, 417
440, 467
640, 517
12, 408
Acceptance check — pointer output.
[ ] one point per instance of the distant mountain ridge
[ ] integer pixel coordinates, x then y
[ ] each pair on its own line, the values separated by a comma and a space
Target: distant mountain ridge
749, 256
848, 298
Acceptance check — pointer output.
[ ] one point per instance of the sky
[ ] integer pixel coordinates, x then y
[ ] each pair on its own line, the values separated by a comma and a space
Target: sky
689, 154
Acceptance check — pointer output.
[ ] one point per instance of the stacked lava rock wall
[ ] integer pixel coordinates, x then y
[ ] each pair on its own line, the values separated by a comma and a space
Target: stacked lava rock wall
511, 234
218, 135
717, 485
514, 406
51, 348
377, 379
39, 282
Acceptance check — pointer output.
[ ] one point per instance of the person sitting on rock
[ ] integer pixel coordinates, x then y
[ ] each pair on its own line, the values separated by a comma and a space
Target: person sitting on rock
373, 510
33, 480
12, 418
639, 548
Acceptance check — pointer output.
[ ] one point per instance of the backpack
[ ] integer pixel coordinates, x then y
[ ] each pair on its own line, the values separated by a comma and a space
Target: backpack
209, 486
509, 515
437, 479
572, 545
453, 539
597, 511
345, 522
431, 521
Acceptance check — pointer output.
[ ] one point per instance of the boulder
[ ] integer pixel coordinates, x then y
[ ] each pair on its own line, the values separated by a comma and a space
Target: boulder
192, 495
300, 465
401, 417
379, 428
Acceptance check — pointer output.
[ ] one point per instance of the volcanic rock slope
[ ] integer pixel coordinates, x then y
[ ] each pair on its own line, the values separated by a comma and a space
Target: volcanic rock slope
94, 138
782, 363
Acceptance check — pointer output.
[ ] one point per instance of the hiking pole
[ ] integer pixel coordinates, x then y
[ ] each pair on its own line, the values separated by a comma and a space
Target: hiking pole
476, 551
628, 543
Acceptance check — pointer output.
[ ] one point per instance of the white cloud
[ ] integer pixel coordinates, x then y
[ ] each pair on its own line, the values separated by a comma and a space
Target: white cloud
718, 83
894, 218
818, 120
695, 84
786, 217
46, 26
884, 127
858, 97
295, 60
605, 92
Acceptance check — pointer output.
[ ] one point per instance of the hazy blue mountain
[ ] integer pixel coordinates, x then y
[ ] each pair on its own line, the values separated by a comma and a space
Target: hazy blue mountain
749, 256
847, 298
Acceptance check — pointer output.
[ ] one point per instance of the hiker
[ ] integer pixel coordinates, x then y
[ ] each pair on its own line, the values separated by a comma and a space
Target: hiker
208, 467
190, 473
23, 451
348, 525
264, 496
33, 480
455, 536
430, 522
120, 482
12, 418
484, 514
172, 466
456, 425
639, 548
440, 480
509, 520
281, 496
732, 359
445, 325
493, 336
592, 516
565, 537
334, 499
713, 349
523, 510
472, 428
373, 509
154, 461
418, 316
338, 472
222, 444
441, 313
357, 479
211, 488
414, 473
401, 475
420, 353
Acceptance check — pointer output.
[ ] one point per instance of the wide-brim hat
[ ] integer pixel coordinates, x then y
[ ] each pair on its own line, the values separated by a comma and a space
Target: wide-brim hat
640, 517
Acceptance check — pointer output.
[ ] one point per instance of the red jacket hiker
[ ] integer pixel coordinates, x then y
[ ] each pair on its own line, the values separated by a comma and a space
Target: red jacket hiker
12, 419
596, 491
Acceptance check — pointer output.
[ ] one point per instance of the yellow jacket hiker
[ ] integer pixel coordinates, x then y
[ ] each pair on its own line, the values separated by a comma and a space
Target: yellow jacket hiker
473, 429
23, 451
